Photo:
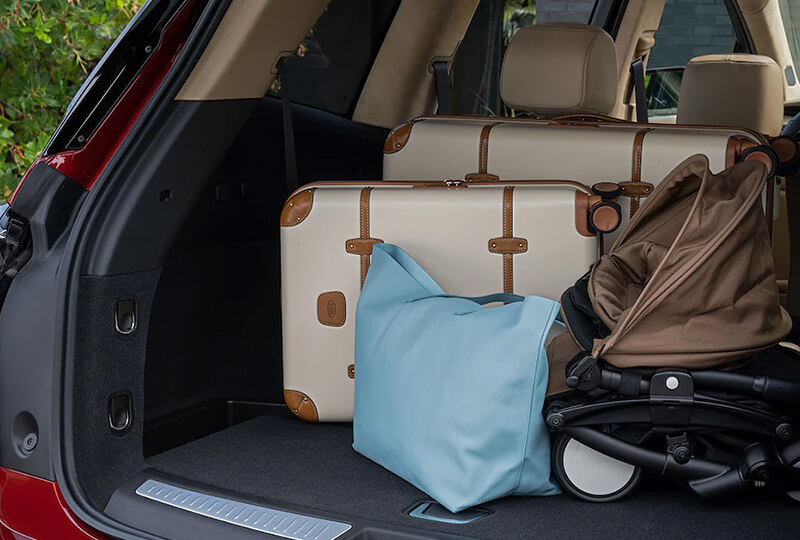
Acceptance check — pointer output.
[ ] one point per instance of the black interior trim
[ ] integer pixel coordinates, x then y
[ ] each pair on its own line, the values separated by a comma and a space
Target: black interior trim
192, 143
608, 15
47, 206
66, 323
114, 73
192, 140
744, 41
183, 426
211, 252
374, 55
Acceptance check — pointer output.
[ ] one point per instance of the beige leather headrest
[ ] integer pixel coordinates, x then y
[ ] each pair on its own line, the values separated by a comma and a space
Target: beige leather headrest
560, 68
738, 90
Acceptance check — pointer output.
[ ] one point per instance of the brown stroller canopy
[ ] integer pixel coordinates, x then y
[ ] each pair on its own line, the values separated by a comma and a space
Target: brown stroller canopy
690, 282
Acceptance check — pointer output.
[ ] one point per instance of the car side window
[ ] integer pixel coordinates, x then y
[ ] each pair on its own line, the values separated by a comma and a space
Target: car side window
331, 64
688, 28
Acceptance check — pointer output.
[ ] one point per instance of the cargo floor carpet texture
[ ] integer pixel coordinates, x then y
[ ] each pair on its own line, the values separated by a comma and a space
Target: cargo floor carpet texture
284, 459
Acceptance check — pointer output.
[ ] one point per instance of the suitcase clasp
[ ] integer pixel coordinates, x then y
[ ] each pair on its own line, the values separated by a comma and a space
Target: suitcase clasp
455, 183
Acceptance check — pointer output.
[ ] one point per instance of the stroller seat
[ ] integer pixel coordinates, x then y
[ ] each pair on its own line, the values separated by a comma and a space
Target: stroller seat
672, 363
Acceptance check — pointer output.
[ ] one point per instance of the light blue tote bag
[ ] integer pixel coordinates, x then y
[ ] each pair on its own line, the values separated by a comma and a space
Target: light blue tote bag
449, 394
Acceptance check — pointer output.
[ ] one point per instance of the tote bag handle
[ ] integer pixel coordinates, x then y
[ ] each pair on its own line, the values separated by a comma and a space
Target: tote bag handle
506, 298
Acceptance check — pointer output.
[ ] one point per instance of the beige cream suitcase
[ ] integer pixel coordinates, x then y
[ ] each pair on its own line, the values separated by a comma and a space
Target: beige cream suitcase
474, 239
636, 156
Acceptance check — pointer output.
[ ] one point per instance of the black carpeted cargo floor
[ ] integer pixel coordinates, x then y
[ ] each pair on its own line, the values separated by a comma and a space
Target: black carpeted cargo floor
314, 465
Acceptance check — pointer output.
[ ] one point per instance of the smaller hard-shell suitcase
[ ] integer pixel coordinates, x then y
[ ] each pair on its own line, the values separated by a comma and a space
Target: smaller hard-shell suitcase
530, 238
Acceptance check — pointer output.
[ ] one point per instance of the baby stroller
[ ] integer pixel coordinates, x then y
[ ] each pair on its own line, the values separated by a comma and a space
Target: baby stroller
672, 363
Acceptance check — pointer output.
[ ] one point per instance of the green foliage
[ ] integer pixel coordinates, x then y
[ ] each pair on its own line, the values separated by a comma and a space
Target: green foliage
47, 47
517, 14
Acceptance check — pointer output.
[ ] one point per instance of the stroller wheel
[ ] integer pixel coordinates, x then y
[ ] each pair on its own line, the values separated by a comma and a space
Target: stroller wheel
589, 474
791, 455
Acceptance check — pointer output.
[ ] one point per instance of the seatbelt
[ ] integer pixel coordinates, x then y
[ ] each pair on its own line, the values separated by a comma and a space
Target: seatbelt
637, 73
292, 182
442, 87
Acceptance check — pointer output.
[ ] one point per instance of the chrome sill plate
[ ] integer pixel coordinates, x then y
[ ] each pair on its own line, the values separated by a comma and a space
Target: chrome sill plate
250, 516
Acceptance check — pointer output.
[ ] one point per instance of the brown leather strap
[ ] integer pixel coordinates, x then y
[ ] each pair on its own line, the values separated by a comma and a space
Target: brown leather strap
483, 152
636, 189
508, 245
483, 158
362, 246
364, 226
638, 143
508, 212
508, 232
598, 118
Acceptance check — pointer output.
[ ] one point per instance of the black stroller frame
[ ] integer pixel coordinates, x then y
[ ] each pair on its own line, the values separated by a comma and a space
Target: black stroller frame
719, 430
676, 405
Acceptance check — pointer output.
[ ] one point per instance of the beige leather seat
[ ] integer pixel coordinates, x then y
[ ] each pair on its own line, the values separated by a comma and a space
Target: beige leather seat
743, 90
548, 70
738, 90
553, 70
560, 69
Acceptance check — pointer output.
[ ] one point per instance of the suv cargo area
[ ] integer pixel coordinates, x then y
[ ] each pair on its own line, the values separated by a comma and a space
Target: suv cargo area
204, 364
150, 296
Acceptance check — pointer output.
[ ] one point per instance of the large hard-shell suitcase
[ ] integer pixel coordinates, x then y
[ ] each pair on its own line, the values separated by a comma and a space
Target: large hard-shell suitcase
636, 156
522, 237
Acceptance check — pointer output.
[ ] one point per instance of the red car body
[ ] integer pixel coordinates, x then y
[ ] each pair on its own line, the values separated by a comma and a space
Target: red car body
31, 507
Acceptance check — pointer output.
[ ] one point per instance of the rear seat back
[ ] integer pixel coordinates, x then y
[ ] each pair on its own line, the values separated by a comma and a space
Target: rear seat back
743, 90
548, 70
637, 156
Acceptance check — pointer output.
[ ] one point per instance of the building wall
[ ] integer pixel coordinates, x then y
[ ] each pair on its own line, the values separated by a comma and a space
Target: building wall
688, 28
691, 28
563, 11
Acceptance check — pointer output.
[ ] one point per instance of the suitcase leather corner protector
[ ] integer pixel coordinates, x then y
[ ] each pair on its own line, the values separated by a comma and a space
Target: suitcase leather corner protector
301, 405
297, 208
526, 237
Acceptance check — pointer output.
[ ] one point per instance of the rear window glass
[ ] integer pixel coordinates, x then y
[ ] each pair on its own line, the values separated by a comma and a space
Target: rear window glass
332, 63
689, 28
